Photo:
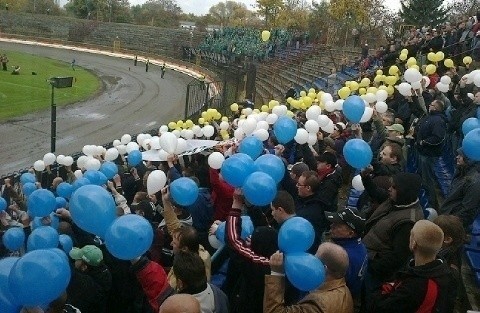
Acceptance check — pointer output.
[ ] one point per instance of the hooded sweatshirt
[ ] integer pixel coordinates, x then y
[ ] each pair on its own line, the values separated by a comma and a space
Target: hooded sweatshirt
424, 288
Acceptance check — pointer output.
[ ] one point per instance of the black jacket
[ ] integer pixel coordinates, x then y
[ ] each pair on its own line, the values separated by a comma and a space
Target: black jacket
431, 285
430, 134
313, 210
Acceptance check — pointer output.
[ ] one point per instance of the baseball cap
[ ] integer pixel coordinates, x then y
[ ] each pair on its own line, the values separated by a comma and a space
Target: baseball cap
91, 254
396, 127
349, 216
298, 168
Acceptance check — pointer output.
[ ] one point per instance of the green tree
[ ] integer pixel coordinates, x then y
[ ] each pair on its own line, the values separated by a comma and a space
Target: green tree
270, 9
232, 13
423, 12
162, 13
461, 8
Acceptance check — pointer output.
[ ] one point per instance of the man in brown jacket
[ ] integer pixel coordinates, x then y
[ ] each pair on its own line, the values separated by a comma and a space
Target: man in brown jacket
332, 296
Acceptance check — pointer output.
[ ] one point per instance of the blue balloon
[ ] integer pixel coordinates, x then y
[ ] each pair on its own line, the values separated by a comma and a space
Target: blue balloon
3, 204
65, 242
28, 188
95, 177
259, 189
41, 202
357, 153
296, 235
27, 178
129, 237
353, 108
236, 169
51, 220
43, 237
271, 165
64, 190
14, 238
93, 209
251, 146
109, 169
60, 202
478, 112
220, 233
247, 227
305, 271
285, 129
184, 191
471, 144
470, 124
62, 254
7, 299
39, 277
79, 182
134, 158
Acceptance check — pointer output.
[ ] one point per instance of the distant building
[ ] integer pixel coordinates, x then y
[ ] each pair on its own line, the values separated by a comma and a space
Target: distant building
211, 28
187, 25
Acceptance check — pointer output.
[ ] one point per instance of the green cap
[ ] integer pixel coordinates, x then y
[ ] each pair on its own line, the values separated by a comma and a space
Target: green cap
91, 254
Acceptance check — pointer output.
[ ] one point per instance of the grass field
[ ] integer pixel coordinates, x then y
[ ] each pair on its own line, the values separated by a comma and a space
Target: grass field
26, 93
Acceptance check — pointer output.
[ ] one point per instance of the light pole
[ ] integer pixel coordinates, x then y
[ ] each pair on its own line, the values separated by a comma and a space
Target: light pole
56, 82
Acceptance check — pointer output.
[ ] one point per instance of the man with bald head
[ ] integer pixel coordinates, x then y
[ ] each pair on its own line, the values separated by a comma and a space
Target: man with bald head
332, 296
180, 303
427, 284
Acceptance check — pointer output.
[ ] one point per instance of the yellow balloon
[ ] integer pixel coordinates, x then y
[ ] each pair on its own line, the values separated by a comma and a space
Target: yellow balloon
372, 90
264, 108
303, 93
431, 57
172, 125
205, 115
303, 106
234, 107
403, 56
404, 51
415, 66
344, 92
224, 119
379, 72
467, 60
225, 137
393, 70
448, 63
271, 104
347, 83
311, 90
312, 95
390, 90
353, 86
179, 124
365, 82
430, 69
308, 101
391, 80
289, 100
411, 61
201, 121
265, 35
295, 104
189, 123
362, 91
242, 117
290, 113
383, 87
218, 116
378, 78
439, 56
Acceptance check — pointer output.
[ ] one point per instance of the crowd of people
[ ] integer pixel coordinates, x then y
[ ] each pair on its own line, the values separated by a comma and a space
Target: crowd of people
384, 252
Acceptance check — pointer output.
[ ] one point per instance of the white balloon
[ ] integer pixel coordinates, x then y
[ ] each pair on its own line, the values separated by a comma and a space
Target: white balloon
329, 128
261, 134
283, 110
272, 118
432, 214
442, 87
471, 76
189, 134
239, 134
224, 125
215, 160
131, 146
82, 161
88, 150
98, 150
208, 130
122, 149
370, 97
154, 143
412, 75
446, 80
302, 136
146, 145
312, 126
416, 85
141, 138
339, 104
39, 165
405, 89
249, 125
367, 115
262, 116
176, 132
312, 139
357, 183
78, 174
49, 158
381, 107
247, 111
263, 125
168, 142
68, 160
92, 164
181, 146
427, 81
330, 106
60, 159
382, 95
163, 129
111, 154
214, 242
476, 80
323, 120
326, 97
182, 133
240, 122
125, 139
115, 143
470, 95
313, 112
156, 181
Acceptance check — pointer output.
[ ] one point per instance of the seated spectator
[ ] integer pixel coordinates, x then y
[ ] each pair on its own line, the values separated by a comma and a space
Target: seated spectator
16, 70
191, 279
181, 303
427, 282
346, 230
332, 296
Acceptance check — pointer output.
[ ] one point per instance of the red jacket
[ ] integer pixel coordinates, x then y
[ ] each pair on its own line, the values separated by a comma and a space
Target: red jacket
222, 196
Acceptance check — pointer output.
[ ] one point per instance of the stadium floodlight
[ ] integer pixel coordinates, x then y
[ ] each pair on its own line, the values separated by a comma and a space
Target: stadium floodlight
56, 82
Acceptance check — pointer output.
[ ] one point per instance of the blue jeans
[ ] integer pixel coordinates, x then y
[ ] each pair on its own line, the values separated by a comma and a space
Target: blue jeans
426, 168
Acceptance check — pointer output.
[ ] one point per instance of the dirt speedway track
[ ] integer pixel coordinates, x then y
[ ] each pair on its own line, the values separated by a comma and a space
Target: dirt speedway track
132, 102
